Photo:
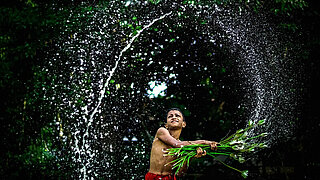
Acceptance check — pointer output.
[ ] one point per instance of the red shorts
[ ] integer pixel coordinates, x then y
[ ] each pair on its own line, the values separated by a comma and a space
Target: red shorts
151, 176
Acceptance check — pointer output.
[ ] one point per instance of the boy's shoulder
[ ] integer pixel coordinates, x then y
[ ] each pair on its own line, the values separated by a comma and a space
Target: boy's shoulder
162, 130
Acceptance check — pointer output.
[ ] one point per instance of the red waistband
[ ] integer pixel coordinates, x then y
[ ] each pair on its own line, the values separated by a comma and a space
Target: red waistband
152, 176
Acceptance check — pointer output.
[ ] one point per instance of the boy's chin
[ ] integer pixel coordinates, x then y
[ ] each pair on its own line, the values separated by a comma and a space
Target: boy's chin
175, 127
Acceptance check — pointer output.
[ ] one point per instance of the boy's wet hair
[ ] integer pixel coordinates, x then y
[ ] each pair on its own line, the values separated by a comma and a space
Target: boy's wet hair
176, 109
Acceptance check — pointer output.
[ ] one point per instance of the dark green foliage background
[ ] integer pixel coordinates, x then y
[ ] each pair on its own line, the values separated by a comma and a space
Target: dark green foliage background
30, 28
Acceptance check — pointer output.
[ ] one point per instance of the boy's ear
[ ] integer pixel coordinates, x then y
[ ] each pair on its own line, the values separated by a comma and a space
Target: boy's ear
184, 124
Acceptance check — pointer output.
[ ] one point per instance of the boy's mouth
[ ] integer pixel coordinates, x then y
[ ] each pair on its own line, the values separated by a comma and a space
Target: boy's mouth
174, 121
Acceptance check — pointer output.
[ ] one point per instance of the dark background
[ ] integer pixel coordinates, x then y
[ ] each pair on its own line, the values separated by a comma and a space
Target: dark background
28, 29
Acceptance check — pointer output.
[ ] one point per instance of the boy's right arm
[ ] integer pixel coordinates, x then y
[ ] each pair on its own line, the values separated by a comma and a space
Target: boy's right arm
164, 135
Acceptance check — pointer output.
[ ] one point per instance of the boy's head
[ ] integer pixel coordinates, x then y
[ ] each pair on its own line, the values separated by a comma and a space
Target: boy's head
175, 109
175, 119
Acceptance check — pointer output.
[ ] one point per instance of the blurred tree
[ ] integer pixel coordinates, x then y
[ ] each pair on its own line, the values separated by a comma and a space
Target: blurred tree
29, 32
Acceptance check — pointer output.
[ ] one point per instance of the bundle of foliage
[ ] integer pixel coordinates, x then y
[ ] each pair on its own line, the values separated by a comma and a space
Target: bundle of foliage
236, 146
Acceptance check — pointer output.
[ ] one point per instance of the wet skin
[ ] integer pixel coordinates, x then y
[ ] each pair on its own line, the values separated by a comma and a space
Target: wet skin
168, 137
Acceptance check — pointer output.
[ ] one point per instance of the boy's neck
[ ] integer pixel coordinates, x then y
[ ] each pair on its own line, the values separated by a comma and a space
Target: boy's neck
175, 133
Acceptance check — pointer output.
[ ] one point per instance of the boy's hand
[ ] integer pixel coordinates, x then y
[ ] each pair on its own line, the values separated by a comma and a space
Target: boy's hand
200, 152
213, 145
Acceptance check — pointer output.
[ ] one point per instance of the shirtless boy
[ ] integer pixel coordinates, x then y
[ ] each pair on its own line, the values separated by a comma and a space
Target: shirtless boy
168, 137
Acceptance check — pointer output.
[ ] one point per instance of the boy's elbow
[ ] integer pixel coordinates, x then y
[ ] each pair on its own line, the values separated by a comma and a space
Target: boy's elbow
178, 145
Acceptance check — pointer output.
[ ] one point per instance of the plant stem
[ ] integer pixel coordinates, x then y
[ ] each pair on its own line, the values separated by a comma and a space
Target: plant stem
254, 137
226, 164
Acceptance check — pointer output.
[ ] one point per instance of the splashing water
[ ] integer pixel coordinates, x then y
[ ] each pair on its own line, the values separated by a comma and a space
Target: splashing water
103, 91
86, 63
258, 49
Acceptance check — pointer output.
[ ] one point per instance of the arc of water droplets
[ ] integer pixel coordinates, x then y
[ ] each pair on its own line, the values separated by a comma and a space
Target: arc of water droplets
104, 88
239, 36
103, 91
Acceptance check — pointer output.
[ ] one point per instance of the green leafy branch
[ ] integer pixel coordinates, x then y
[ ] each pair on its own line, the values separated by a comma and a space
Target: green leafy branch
234, 146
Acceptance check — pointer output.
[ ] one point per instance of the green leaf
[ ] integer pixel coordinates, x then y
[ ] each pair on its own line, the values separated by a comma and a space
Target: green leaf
172, 40
261, 122
208, 81
154, 1
223, 70
203, 22
244, 173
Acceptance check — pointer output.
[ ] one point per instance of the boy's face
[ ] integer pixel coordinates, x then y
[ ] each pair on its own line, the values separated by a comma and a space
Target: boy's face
175, 120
